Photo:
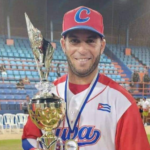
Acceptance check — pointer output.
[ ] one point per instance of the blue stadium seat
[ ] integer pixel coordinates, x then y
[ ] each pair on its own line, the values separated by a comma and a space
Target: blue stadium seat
17, 97
23, 97
32, 68
14, 67
106, 71
17, 77
28, 86
4, 54
6, 91
22, 55
29, 92
118, 80
14, 91
12, 105
22, 92
113, 76
10, 76
10, 54
110, 71
118, 77
10, 97
52, 74
16, 72
109, 75
4, 86
6, 62
20, 67
2, 91
122, 79
28, 73
22, 72
1, 62
4, 105
34, 73
16, 55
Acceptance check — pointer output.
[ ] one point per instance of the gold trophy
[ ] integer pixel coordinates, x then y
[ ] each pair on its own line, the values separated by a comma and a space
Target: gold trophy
45, 109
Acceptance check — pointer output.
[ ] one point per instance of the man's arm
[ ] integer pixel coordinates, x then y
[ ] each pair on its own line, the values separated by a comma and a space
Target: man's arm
30, 134
130, 134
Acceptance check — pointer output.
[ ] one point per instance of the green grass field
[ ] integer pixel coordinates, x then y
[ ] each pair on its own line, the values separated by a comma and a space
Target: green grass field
10, 145
148, 138
16, 144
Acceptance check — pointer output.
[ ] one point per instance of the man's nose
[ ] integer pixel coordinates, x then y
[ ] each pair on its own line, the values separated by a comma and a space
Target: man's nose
83, 48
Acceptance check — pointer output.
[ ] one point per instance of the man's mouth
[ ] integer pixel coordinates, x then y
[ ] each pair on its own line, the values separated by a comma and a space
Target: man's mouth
82, 59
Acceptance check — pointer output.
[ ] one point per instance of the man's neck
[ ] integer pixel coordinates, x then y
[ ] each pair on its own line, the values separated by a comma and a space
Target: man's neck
82, 80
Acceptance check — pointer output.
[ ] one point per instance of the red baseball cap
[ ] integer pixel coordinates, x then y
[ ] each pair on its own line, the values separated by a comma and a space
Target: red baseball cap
83, 18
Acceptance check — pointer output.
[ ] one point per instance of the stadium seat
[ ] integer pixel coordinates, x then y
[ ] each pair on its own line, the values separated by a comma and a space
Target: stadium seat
4, 105
12, 105
1, 124
10, 121
21, 120
21, 92
17, 97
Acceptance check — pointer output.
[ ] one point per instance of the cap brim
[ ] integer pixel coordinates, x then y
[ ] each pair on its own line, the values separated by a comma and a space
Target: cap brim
82, 28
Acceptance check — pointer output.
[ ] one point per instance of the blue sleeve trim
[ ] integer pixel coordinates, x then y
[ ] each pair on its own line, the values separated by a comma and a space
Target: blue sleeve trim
26, 145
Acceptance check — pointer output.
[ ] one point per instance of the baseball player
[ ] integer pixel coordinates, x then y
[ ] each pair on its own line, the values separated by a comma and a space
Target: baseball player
100, 114
146, 107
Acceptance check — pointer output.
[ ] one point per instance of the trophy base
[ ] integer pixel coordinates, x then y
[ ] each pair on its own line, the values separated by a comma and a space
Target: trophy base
48, 141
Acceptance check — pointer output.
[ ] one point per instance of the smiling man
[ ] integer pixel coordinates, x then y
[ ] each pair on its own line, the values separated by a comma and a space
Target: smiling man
100, 114
83, 49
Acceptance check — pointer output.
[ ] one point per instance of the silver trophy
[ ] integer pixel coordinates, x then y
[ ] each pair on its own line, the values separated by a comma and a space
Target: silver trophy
45, 109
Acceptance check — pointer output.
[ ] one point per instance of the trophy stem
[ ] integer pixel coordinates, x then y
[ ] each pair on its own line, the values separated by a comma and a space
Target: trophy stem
48, 140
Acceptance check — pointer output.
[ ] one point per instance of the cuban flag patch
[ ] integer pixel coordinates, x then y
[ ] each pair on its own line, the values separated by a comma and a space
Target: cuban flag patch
104, 107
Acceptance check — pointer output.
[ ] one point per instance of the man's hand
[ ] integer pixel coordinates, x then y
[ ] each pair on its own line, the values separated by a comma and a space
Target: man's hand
37, 149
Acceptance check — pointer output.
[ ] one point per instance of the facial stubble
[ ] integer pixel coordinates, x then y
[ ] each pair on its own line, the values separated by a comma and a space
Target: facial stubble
86, 72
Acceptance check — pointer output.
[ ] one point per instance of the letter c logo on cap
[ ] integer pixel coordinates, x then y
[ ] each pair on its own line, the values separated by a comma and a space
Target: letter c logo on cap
78, 13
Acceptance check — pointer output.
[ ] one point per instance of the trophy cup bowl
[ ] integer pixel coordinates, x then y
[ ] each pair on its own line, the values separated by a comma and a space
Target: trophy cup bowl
46, 109
47, 113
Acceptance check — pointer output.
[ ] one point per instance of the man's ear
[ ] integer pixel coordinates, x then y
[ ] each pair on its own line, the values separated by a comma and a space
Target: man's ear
62, 42
103, 46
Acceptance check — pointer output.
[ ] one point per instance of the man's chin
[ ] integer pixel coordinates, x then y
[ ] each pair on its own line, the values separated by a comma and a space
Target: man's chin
82, 73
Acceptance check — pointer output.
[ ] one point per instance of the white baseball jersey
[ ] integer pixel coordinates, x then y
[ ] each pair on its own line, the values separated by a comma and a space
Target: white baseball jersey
145, 104
108, 120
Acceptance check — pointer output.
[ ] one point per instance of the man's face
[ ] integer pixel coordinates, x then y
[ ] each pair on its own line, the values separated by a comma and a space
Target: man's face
27, 98
83, 49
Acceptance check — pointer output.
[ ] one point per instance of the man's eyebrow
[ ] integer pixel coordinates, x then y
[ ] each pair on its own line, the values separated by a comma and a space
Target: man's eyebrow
72, 36
92, 37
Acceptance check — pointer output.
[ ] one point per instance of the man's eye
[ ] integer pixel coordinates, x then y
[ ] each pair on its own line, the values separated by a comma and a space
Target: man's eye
90, 41
74, 41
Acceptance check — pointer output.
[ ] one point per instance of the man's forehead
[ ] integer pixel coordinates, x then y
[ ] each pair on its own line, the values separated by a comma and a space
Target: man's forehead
83, 33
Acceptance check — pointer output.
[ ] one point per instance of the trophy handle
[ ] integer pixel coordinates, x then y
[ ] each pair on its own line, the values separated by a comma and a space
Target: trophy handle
48, 141
61, 143
38, 144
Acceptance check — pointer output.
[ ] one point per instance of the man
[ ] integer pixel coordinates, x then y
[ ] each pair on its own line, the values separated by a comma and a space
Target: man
3, 70
146, 80
25, 105
26, 80
58, 70
134, 81
100, 114
146, 107
20, 84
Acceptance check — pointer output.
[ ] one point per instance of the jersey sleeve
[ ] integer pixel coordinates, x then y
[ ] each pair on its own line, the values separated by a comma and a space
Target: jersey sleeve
30, 134
31, 130
130, 132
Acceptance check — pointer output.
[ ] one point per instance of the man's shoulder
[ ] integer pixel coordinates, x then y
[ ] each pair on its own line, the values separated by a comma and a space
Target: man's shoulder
113, 85
60, 80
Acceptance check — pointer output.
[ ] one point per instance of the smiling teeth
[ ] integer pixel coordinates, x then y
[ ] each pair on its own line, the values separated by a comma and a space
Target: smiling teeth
83, 59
